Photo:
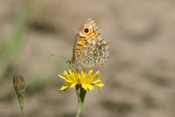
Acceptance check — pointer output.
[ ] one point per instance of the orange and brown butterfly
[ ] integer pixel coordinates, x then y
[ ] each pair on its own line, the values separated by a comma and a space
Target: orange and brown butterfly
90, 49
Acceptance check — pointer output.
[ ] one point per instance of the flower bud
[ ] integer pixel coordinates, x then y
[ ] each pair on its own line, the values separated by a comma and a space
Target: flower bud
19, 86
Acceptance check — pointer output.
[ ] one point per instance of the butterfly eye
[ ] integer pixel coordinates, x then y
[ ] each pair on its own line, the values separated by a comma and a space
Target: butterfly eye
86, 30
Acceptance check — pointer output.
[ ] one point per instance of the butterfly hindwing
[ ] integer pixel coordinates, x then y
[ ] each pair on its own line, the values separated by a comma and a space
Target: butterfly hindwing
94, 52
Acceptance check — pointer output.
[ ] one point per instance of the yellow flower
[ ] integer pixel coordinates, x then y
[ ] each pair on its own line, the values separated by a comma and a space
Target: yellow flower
86, 80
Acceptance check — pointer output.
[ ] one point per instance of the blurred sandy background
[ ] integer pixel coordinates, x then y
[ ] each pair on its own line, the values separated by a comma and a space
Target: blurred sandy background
139, 76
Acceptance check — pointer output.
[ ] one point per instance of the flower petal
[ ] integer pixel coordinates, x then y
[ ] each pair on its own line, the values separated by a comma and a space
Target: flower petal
67, 80
64, 86
84, 85
82, 73
65, 73
62, 77
73, 85
90, 72
99, 84
97, 74
90, 87
96, 81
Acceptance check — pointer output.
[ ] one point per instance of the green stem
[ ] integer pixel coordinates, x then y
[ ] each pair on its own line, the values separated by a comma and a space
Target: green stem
23, 113
81, 93
21, 103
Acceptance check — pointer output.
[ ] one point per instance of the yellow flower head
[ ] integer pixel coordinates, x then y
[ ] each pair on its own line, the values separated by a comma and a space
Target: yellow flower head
86, 80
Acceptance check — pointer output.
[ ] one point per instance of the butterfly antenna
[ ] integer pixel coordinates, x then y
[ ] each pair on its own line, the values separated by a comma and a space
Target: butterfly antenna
59, 56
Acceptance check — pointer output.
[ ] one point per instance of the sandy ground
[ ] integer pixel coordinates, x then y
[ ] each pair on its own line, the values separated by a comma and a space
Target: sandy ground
139, 77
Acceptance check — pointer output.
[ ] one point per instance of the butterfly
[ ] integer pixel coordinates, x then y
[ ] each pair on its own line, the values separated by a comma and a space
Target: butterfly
90, 49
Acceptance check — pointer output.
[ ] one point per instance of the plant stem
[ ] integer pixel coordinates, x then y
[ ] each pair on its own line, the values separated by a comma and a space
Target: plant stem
23, 113
81, 93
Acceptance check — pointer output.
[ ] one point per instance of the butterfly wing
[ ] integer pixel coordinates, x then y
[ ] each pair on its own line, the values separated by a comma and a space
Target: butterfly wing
89, 47
94, 52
